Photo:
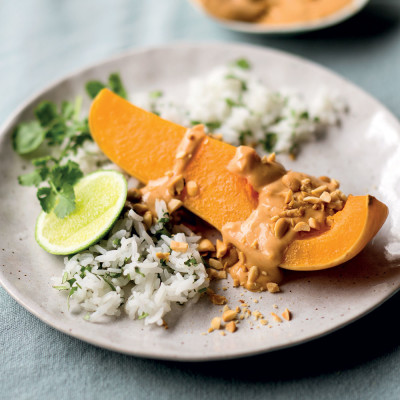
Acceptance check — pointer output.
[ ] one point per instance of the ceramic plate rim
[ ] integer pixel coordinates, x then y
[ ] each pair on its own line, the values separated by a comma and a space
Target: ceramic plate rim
24, 302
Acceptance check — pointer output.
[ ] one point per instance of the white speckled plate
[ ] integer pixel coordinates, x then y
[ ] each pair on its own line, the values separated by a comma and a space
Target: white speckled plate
299, 27
364, 154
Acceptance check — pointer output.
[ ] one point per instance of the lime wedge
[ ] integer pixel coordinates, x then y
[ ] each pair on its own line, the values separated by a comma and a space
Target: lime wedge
99, 197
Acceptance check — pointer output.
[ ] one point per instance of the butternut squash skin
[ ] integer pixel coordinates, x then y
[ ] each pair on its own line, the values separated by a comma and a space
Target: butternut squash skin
144, 145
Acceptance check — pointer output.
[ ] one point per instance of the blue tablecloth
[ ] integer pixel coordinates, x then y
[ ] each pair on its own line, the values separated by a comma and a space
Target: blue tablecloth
42, 40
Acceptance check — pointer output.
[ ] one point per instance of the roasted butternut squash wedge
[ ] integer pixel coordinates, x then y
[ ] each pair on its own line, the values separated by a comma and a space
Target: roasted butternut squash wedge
144, 145
351, 230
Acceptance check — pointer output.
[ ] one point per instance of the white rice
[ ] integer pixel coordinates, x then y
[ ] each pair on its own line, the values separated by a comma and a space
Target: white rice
233, 102
123, 272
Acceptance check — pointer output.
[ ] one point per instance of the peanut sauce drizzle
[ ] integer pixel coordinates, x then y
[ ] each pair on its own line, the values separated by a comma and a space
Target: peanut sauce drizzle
290, 203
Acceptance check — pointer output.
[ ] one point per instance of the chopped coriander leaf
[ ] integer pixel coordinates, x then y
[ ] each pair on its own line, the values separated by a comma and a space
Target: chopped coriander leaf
213, 125
93, 88
27, 137
34, 178
269, 142
165, 218
190, 262
116, 242
242, 63
232, 103
194, 122
202, 290
243, 83
156, 94
116, 85
71, 292
304, 115
46, 113
243, 135
61, 287
144, 315
109, 284
137, 270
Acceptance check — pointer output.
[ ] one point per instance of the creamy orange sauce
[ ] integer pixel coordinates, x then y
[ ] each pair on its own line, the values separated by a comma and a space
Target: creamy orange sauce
274, 11
289, 204
288, 200
171, 185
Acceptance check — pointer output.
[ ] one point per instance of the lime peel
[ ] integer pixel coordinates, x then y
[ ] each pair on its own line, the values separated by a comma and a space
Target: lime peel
100, 198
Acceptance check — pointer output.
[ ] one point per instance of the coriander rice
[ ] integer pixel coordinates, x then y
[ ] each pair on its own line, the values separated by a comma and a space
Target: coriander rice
233, 102
123, 272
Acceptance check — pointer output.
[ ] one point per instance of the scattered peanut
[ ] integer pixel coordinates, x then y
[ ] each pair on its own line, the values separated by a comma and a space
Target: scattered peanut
163, 256
273, 287
216, 323
222, 248
216, 264
192, 188
302, 226
281, 227
179, 246
205, 245
148, 219
253, 274
140, 208
174, 204
313, 223
286, 314
276, 317
325, 197
231, 326
229, 315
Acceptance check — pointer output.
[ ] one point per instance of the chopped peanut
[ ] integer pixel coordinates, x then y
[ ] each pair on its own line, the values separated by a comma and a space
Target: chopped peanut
215, 274
231, 326
192, 188
229, 315
222, 248
263, 322
286, 314
215, 263
326, 197
276, 317
140, 208
215, 298
148, 219
216, 323
179, 246
273, 287
163, 256
253, 274
205, 245
174, 204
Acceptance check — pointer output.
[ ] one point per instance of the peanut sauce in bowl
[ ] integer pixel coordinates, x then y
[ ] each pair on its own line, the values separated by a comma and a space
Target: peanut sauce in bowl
279, 16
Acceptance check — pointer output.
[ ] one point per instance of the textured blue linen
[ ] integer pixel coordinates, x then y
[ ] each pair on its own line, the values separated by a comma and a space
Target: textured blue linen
42, 40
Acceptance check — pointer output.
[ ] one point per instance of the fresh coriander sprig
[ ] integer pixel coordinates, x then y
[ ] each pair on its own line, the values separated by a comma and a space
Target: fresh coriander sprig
64, 130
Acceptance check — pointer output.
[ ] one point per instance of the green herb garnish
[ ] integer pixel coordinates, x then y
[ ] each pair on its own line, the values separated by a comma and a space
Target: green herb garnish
156, 94
243, 135
269, 142
242, 63
114, 83
144, 315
